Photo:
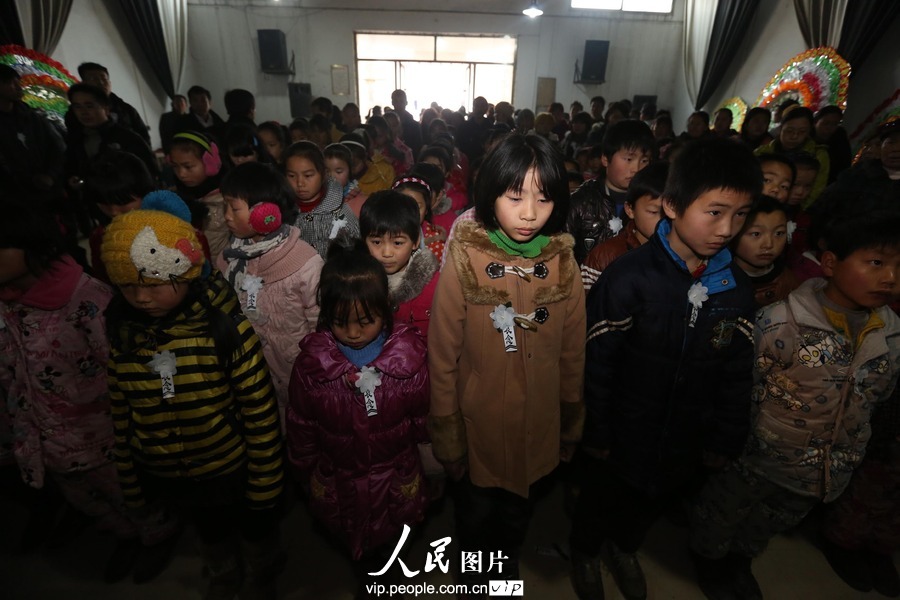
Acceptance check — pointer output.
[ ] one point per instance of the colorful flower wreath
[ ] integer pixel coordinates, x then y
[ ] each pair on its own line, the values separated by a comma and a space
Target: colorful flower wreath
815, 78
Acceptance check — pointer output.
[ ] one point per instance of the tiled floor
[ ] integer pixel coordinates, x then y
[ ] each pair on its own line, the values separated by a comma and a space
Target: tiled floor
791, 569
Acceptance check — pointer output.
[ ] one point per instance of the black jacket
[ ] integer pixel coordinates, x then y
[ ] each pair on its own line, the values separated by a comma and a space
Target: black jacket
119, 112
112, 137
659, 391
30, 148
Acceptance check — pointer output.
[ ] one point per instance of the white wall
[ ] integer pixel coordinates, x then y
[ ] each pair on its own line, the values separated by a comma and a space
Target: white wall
224, 51
97, 32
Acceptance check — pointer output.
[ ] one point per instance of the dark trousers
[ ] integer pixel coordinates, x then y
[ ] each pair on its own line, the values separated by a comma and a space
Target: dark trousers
491, 520
611, 508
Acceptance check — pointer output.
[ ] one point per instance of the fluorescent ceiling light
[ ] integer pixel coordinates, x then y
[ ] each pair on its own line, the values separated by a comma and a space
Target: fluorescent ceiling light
533, 10
598, 4
651, 6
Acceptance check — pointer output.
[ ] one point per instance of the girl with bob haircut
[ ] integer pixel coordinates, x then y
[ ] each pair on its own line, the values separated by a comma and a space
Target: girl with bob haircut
506, 351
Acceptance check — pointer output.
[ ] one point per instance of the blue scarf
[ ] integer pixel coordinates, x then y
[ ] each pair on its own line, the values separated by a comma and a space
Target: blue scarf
365, 355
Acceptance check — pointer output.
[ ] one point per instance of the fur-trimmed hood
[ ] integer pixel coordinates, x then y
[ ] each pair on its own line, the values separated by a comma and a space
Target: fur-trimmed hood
421, 268
471, 235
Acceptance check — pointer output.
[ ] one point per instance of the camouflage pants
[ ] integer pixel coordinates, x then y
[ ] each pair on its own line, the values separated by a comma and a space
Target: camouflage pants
739, 511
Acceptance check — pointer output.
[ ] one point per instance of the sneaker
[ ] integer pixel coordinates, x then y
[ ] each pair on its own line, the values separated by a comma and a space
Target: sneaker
153, 560
122, 560
587, 576
849, 565
714, 577
885, 580
626, 570
744, 585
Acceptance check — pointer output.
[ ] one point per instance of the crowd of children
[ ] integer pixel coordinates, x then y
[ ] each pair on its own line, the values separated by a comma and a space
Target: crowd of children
322, 311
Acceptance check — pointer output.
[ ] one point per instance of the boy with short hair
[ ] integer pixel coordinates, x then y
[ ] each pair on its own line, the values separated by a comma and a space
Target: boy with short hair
825, 358
627, 148
668, 363
807, 170
779, 173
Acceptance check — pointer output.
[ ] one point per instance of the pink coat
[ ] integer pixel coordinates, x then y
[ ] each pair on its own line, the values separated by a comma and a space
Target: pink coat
287, 309
53, 355
364, 473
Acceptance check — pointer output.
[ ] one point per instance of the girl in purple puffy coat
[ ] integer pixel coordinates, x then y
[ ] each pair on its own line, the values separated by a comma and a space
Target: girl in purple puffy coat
358, 400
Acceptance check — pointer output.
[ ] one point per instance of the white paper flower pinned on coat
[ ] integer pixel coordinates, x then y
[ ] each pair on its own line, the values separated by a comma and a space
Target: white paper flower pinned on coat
697, 295
503, 317
615, 225
791, 228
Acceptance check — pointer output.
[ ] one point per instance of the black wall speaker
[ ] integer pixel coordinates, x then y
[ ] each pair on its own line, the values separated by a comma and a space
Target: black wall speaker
273, 51
300, 95
593, 68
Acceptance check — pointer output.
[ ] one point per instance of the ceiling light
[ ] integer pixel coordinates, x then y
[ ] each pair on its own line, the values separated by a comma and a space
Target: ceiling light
533, 10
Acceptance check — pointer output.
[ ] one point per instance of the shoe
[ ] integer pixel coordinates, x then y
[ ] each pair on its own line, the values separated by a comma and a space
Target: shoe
744, 584
885, 580
264, 561
587, 576
223, 569
715, 577
122, 560
153, 560
849, 565
626, 570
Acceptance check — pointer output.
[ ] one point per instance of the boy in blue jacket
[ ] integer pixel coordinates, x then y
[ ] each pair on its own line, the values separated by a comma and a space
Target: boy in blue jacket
668, 364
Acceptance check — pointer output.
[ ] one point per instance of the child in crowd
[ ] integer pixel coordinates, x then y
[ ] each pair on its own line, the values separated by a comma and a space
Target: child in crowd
643, 209
242, 146
272, 270
439, 157
825, 358
779, 173
197, 165
299, 130
359, 400
383, 141
53, 355
194, 410
370, 169
273, 138
506, 347
795, 137
442, 216
115, 183
391, 227
759, 251
434, 237
322, 215
628, 147
677, 308
338, 163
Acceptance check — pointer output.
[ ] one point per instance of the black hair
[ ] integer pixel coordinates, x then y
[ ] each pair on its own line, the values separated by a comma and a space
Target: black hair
598, 99
628, 134
798, 112
309, 151
99, 96
90, 66
430, 174
651, 180
255, 182
320, 122
239, 102
831, 109
196, 89
323, 104
390, 212
556, 106
807, 161
780, 158
276, 129
117, 177
300, 124
574, 176
378, 123
756, 110
122, 319
31, 227
421, 187
353, 276
584, 118
242, 141
7, 73
766, 205
182, 96
875, 224
709, 164
339, 151
704, 116
505, 169
438, 153
726, 111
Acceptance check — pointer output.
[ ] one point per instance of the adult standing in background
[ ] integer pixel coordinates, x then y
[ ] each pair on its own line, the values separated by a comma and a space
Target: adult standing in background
412, 133
471, 135
119, 111
201, 117
168, 120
